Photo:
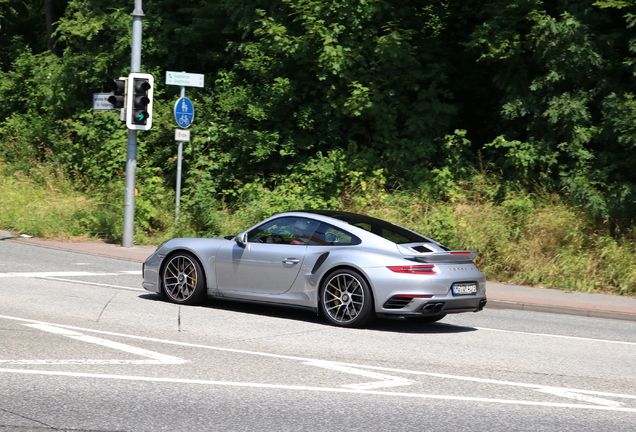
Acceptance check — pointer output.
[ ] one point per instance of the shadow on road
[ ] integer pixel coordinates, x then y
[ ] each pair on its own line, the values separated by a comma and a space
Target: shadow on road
395, 325
401, 325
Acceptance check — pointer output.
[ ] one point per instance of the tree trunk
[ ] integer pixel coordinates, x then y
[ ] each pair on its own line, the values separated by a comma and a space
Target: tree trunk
51, 18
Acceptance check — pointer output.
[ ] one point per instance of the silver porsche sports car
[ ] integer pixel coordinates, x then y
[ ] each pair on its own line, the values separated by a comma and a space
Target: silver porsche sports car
348, 267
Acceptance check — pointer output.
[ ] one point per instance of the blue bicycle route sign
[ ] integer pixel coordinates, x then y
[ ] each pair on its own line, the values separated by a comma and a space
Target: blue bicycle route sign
184, 112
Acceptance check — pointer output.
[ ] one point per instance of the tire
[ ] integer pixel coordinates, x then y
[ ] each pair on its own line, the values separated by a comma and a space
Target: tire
346, 300
426, 319
183, 280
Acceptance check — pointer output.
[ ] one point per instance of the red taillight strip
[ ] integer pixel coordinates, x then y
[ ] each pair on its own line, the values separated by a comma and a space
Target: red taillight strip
428, 269
461, 253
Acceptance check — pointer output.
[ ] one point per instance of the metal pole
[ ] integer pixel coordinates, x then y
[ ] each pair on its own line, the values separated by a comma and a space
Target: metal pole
179, 159
129, 193
131, 149
179, 156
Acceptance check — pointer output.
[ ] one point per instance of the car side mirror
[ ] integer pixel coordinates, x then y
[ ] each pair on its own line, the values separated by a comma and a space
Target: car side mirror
241, 239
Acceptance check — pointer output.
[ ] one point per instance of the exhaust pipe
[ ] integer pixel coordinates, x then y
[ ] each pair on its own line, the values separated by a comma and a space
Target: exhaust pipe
432, 307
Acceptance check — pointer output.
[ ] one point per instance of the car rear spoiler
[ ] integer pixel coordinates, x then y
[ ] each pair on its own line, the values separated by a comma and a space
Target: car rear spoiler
446, 256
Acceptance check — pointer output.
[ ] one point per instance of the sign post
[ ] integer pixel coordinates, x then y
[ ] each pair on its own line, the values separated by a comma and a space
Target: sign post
184, 115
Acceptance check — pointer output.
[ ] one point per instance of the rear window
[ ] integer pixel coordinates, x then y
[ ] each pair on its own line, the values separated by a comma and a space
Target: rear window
391, 232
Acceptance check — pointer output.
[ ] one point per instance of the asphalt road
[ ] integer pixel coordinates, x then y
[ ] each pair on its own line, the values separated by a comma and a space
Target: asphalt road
84, 348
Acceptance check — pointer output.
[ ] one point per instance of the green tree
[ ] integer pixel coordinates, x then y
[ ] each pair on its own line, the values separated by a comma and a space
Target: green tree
563, 72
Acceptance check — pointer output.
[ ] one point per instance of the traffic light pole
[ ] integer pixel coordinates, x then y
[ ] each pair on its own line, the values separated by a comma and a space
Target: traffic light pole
131, 150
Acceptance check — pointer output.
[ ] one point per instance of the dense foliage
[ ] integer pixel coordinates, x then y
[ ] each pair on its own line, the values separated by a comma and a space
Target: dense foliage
318, 103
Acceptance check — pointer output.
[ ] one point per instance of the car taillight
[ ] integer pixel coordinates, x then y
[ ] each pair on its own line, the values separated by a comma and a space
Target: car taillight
427, 269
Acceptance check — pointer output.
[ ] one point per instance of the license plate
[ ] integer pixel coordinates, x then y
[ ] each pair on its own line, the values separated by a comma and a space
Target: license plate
464, 288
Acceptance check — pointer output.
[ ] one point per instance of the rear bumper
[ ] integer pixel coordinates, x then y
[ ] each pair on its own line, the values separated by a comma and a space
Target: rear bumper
437, 306
412, 295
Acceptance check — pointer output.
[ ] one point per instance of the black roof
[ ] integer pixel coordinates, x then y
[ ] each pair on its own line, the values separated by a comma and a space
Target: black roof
377, 226
350, 218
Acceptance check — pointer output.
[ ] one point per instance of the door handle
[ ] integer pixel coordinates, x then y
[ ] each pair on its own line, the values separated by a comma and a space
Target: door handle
291, 261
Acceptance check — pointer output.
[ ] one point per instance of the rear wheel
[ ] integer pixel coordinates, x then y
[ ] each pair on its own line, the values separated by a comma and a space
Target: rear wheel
345, 299
183, 279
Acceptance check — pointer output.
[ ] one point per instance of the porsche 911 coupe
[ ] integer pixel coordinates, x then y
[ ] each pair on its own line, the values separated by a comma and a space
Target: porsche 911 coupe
347, 267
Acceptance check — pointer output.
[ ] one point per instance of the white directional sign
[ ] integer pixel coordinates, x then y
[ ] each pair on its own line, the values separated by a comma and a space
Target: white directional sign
184, 79
100, 102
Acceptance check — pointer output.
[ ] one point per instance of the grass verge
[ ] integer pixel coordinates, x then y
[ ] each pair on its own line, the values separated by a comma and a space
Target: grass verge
43, 203
523, 239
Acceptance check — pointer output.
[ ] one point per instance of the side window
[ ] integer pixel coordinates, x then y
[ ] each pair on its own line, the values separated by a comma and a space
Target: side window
287, 230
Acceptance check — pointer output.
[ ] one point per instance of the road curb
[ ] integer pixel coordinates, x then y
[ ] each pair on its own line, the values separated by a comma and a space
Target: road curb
535, 307
106, 250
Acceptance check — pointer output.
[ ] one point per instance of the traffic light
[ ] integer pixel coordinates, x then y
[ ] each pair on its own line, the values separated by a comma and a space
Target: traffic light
139, 102
118, 98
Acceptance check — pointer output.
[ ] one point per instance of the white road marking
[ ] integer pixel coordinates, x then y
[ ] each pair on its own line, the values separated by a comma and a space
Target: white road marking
81, 362
316, 389
556, 336
537, 387
55, 274
384, 380
152, 357
578, 396
93, 283
58, 276
558, 391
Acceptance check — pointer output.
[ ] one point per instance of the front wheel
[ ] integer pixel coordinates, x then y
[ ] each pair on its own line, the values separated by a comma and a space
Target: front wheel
345, 299
183, 279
